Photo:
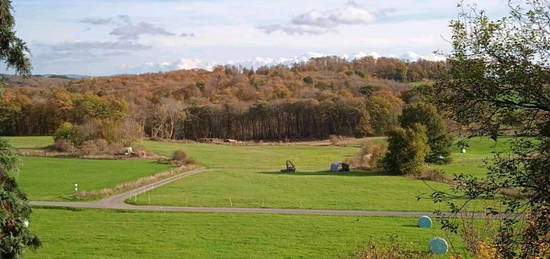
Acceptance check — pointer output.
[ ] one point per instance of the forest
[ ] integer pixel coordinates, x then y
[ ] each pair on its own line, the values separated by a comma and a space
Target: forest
310, 100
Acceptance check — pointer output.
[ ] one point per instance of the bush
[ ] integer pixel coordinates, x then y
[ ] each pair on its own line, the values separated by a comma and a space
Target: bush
66, 131
407, 150
63, 145
433, 175
180, 158
370, 156
89, 130
100, 146
97, 136
335, 140
89, 148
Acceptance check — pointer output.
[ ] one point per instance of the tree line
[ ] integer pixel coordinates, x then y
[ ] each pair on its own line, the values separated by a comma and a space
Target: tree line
310, 100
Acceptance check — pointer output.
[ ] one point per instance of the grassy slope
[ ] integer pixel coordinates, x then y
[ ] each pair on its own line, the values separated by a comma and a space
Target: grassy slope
82, 234
249, 177
53, 178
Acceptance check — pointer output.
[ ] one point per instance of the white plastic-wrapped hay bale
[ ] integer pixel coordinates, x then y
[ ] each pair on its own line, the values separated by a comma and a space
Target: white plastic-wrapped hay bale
424, 222
334, 166
439, 246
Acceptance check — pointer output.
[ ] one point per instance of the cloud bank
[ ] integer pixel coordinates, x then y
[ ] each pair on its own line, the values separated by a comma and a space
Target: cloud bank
195, 63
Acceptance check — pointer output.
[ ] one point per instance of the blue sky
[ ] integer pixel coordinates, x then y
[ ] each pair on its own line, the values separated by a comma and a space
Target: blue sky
100, 37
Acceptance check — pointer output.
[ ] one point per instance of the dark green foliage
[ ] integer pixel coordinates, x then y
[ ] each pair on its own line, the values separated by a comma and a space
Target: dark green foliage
368, 90
360, 74
14, 211
308, 80
13, 50
271, 120
438, 138
423, 92
200, 84
407, 150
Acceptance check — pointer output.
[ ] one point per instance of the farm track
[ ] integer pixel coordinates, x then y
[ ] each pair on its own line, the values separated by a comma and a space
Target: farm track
118, 202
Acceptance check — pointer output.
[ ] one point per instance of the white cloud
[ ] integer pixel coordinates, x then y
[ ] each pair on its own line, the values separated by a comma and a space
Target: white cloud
321, 22
107, 45
412, 56
362, 54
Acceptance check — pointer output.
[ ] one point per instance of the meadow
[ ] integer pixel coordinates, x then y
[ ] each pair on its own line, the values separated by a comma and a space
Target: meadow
248, 176
53, 179
125, 234
471, 162
241, 176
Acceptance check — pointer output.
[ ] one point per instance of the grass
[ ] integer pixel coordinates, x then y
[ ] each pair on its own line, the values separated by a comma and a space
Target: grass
30, 142
53, 179
249, 177
116, 234
471, 162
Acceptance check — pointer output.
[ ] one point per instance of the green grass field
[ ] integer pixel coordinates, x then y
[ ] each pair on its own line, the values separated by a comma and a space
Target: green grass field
242, 176
248, 176
30, 142
112, 234
52, 179
471, 162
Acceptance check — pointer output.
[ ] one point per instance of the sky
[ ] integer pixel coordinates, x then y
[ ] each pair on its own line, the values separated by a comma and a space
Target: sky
101, 37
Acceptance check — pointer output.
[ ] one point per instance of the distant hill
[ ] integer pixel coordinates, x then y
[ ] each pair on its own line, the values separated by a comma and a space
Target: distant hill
68, 76
39, 80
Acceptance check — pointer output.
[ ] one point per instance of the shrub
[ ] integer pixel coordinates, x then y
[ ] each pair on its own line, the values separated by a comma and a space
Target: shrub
180, 158
433, 175
100, 146
370, 156
335, 140
89, 147
89, 130
63, 145
407, 150
66, 131
125, 132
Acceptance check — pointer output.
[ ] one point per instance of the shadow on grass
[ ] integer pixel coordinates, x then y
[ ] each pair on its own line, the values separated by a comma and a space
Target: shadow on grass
410, 226
328, 173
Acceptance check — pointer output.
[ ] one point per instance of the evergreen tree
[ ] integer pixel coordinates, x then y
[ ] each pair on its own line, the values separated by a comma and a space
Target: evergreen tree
13, 50
14, 209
